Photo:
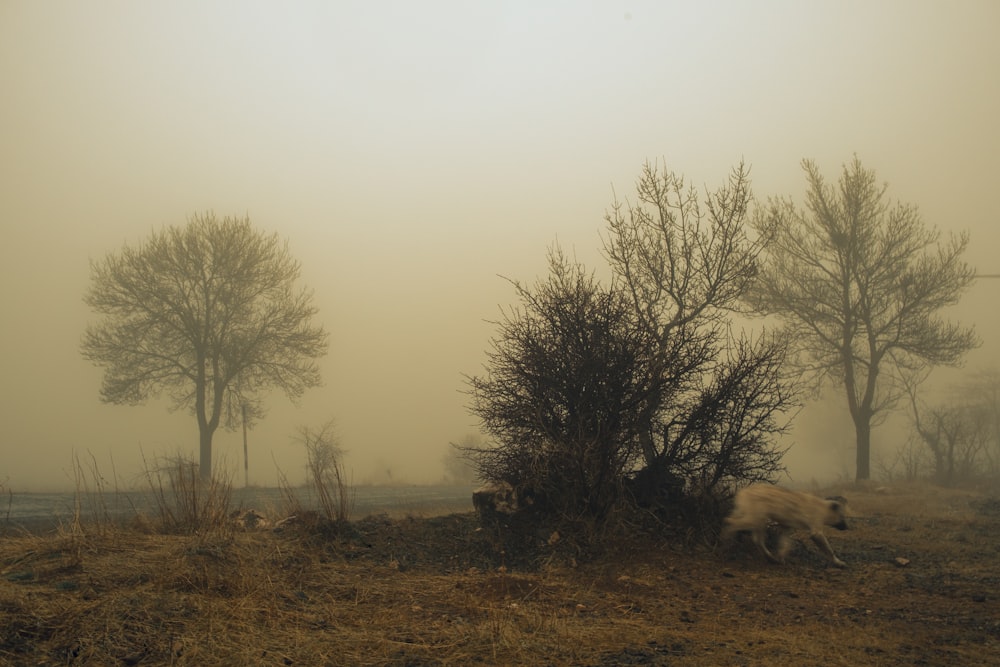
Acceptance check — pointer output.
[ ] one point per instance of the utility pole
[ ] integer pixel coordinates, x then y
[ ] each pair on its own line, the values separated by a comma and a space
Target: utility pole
246, 464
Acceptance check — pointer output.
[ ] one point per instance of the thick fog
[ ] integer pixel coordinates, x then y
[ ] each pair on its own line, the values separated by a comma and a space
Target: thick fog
412, 152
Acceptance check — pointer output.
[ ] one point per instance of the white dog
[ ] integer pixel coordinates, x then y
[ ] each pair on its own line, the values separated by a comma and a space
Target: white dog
757, 505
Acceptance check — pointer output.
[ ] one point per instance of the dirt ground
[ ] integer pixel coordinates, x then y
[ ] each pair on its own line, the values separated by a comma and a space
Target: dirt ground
921, 589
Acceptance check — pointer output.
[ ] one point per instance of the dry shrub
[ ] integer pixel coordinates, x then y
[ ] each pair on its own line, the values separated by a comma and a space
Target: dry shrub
6, 491
328, 482
95, 502
186, 503
409, 592
326, 479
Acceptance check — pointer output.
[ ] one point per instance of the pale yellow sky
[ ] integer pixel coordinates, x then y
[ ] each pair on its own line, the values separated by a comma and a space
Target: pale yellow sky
410, 152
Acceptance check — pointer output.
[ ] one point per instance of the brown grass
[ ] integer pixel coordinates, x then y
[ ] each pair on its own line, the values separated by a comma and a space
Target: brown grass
185, 503
432, 591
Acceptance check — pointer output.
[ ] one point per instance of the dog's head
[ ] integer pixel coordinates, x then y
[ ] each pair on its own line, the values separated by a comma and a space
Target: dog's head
836, 513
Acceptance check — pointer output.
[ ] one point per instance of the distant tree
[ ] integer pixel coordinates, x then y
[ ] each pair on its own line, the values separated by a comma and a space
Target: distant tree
458, 469
955, 432
595, 394
907, 463
860, 285
982, 394
209, 313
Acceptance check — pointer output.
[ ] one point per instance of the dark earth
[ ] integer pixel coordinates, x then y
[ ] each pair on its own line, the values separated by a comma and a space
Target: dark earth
921, 588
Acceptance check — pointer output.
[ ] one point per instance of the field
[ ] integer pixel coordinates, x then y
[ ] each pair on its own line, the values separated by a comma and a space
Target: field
922, 588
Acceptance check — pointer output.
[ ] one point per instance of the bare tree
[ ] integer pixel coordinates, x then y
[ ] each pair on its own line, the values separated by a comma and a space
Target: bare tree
982, 394
860, 284
682, 261
594, 394
209, 313
955, 432
907, 463
685, 263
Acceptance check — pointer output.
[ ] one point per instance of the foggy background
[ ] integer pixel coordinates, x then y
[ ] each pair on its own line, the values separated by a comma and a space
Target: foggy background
411, 152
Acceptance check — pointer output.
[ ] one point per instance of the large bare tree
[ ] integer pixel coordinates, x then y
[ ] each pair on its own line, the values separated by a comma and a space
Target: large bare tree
685, 263
208, 312
640, 386
861, 283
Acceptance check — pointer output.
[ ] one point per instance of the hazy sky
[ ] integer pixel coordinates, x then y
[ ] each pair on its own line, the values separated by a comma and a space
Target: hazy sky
412, 151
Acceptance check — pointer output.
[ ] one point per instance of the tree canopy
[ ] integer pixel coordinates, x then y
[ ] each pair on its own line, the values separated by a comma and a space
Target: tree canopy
209, 313
860, 283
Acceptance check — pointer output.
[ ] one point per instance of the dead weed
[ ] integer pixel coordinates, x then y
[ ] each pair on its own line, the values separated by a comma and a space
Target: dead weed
920, 589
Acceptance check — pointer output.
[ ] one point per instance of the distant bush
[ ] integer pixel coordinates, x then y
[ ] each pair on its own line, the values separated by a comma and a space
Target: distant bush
325, 476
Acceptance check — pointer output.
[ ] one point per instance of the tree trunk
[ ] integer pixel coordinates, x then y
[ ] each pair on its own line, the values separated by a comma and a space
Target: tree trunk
206, 424
863, 431
205, 450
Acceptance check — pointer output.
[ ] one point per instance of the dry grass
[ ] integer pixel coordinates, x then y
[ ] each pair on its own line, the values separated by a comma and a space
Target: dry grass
432, 591
185, 503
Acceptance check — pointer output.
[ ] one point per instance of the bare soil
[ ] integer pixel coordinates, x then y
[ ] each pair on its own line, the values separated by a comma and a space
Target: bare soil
922, 588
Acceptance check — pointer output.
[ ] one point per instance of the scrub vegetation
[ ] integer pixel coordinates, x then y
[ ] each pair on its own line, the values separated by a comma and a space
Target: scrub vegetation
919, 589
619, 416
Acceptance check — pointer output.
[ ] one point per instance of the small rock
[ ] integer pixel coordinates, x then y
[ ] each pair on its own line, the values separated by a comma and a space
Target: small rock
900, 561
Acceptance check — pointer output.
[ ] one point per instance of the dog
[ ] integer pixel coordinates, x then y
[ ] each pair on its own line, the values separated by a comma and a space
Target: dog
759, 504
